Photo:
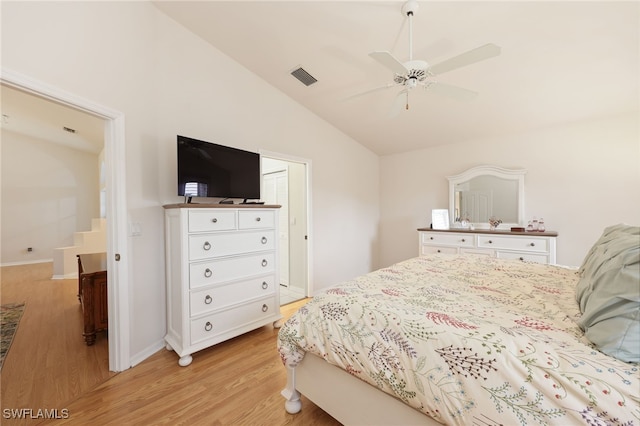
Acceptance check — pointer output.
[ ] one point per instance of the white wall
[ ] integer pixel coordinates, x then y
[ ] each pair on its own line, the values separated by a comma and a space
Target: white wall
49, 191
581, 178
131, 58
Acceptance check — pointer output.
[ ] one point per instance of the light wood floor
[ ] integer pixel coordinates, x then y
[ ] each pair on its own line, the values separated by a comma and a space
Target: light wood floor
237, 382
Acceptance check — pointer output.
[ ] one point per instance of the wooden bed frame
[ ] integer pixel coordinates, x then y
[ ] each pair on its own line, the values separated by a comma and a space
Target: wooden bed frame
346, 398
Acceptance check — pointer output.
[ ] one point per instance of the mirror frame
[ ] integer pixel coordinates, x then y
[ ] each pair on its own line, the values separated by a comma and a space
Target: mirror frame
509, 174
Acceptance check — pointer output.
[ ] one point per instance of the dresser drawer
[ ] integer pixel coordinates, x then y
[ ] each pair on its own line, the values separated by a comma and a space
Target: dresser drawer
254, 219
527, 257
229, 269
426, 249
205, 246
217, 323
210, 299
524, 243
203, 220
448, 239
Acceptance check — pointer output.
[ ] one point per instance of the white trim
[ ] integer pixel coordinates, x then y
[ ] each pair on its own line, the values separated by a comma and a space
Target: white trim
508, 174
118, 283
307, 163
28, 262
147, 352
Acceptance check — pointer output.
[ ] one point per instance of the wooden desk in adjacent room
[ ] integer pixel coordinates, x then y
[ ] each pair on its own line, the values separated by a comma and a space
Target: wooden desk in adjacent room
92, 293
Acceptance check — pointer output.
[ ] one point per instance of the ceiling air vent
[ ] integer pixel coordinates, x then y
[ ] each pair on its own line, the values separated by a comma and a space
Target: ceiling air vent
304, 77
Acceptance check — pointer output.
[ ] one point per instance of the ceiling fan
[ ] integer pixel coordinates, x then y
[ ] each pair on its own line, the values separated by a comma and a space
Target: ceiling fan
416, 73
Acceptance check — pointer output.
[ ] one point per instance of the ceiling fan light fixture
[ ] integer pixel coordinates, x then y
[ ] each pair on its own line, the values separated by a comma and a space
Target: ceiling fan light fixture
415, 73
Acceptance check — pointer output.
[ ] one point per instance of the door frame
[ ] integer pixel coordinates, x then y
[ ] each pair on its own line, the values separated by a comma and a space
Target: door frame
307, 188
116, 207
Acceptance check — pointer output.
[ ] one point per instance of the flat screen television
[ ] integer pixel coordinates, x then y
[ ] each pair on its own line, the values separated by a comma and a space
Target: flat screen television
207, 169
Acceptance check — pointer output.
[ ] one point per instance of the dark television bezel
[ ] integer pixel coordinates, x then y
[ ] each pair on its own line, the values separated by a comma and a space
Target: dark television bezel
212, 147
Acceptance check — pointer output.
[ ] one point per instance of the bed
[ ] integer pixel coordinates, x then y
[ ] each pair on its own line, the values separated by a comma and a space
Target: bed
468, 339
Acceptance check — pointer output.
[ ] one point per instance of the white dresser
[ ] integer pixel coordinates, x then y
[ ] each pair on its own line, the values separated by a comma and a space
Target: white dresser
527, 246
221, 272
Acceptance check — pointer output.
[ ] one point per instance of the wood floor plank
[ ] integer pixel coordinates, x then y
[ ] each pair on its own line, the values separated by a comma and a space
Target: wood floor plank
49, 363
237, 382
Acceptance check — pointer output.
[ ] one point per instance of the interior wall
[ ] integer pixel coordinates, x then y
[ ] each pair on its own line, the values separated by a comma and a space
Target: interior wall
130, 57
48, 192
581, 178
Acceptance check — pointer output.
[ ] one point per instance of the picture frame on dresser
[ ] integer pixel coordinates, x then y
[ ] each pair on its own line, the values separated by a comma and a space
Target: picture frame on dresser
440, 219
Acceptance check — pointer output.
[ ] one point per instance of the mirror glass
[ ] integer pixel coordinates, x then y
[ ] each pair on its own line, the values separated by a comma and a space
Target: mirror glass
487, 191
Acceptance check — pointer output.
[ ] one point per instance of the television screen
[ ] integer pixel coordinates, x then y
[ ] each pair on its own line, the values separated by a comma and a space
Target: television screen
210, 170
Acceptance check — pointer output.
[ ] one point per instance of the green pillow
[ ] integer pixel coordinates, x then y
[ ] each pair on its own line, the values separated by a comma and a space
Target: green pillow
608, 293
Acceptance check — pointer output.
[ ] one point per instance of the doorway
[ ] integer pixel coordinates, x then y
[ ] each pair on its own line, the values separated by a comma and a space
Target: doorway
285, 182
116, 209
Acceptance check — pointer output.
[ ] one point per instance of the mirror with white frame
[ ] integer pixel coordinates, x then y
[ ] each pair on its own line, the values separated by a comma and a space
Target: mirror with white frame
487, 191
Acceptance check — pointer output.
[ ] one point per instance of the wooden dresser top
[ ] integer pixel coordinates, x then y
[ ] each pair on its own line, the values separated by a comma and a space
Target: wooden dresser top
497, 232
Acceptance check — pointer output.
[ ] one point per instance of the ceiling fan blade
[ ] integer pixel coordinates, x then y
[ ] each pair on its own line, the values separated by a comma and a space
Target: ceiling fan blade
399, 103
472, 56
450, 91
366, 92
389, 61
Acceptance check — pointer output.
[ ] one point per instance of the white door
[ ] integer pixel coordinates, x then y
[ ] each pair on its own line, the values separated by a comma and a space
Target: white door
477, 204
276, 191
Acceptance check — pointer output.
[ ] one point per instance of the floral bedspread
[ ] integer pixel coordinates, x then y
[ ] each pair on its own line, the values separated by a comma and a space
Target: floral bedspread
469, 340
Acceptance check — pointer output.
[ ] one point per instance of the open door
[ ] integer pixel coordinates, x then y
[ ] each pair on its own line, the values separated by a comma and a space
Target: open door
285, 183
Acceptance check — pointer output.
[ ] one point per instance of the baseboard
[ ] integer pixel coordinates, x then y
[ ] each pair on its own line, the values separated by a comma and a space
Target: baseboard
71, 276
147, 352
30, 262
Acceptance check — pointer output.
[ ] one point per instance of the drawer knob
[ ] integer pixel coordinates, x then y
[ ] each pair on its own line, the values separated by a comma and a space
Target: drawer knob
208, 272
265, 308
208, 300
438, 251
431, 238
264, 262
532, 244
208, 326
258, 219
522, 258
264, 240
206, 245
265, 285
463, 240
490, 242
214, 220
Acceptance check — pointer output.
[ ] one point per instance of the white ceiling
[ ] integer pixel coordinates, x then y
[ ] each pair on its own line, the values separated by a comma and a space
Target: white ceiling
561, 61
43, 119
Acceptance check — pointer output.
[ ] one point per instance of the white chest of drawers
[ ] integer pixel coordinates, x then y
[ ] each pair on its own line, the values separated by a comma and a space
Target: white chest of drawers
527, 246
222, 273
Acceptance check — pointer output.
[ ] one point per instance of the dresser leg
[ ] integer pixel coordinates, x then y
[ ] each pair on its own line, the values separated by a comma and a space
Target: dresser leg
277, 324
185, 360
89, 338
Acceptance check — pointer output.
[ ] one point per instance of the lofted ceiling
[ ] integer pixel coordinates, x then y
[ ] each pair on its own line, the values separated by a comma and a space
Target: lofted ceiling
560, 62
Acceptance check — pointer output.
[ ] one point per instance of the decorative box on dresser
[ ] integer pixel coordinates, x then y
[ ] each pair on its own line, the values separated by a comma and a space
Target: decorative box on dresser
527, 246
221, 271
